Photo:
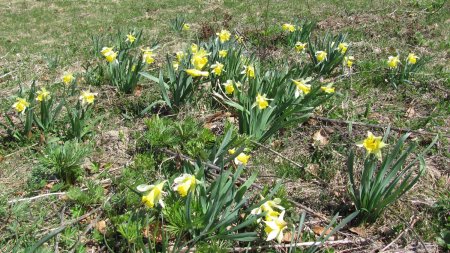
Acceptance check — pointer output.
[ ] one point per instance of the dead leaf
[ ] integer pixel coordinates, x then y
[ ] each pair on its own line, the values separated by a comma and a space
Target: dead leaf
359, 231
49, 185
318, 230
138, 91
320, 139
101, 226
410, 113
312, 122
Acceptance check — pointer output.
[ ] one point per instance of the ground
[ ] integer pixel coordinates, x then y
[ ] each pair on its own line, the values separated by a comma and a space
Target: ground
42, 40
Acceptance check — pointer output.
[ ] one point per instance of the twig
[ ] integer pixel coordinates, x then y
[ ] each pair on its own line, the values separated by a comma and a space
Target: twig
7, 74
57, 236
294, 245
37, 197
259, 187
20, 150
346, 122
400, 235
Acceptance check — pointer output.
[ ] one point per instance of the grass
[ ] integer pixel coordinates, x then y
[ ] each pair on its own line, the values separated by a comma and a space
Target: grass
43, 39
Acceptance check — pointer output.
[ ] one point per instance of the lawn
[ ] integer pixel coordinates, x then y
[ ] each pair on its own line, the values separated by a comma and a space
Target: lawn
236, 153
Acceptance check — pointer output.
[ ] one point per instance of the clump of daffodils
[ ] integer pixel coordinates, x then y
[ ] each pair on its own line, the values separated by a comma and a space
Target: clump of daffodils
393, 61
373, 144
184, 184
21, 105
87, 97
224, 36
153, 194
302, 86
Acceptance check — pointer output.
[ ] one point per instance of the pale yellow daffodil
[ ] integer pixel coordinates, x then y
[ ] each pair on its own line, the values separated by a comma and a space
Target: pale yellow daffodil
321, 56
67, 78
130, 38
21, 105
288, 27
42, 95
412, 58
223, 53
275, 227
154, 194
87, 97
393, 61
300, 47
229, 87
184, 184
224, 36
217, 68
373, 144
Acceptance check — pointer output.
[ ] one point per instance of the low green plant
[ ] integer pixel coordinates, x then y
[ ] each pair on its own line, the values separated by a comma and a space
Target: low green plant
382, 184
124, 73
80, 119
65, 160
178, 24
93, 194
402, 69
49, 110
327, 52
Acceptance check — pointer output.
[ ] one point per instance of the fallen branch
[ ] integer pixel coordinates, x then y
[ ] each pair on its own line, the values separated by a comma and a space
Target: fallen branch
403, 130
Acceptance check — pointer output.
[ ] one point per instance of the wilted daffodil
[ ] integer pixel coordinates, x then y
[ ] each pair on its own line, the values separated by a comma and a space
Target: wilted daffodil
300, 47
288, 27
223, 53
229, 87
242, 158
87, 97
42, 94
412, 58
21, 105
274, 228
328, 88
130, 38
393, 61
302, 86
154, 194
67, 78
197, 73
186, 27
185, 183
200, 59
217, 68
261, 101
321, 56
147, 55
343, 47
224, 36
373, 144
349, 60
249, 71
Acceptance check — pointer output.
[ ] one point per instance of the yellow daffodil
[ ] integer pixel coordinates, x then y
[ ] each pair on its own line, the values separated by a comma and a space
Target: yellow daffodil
300, 47
223, 53
194, 48
328, 88
270, 216
217, 68
229, 87
249, 71
154, 194
321, 56
231, 151
343, 47
288, 27
184, 183
147, 55
239, 39
302, 86
412, 58
224, 36
106, 50
200, 59
393, 62
130, 38
67, 78
261, 101
180, 55
268, 207
21, 105
186, 27
42, 94
274, 228
349, 60
242, 158
87, 97
110, 56
373, 144
175, 65
197, 73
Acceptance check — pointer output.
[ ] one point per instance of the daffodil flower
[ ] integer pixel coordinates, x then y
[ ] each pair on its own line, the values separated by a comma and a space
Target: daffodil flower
249, 71
186, 27
261, 101
185, 183
67, 78
274, 228
197, 73
321, 56
147, 55
328, 88
106, 50
288, 27
175, 65
224, 36
110, 56
229, 87
412, 58
217, 68
300, 47
373, 144
302, 86
194, 48
242, 158
42, 94
200, 59
231, 151
223, 53
268, 207
154, 194
87, 97
393, 61
180, 55
130, 38
21, 105
343, 47
349, 61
